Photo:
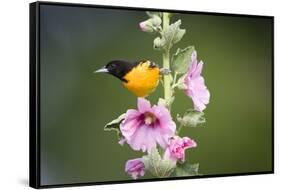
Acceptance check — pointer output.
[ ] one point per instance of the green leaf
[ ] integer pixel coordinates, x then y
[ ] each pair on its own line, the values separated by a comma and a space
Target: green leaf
173, 34
180, 83
182, 59
114, 125
191, 118
187, 169
156, 165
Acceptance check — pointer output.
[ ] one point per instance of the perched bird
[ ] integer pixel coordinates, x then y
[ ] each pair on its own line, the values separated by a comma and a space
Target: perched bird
141, 77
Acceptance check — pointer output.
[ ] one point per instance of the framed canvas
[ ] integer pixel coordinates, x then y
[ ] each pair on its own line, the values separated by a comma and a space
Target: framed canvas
123, 95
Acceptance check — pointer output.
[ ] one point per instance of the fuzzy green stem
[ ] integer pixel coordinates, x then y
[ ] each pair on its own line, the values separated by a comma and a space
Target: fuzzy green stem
179, 129
166, 61
175, 79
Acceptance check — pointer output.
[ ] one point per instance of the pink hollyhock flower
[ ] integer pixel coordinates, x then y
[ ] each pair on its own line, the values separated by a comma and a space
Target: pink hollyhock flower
196, 88
177, 146
135, 168
147, 126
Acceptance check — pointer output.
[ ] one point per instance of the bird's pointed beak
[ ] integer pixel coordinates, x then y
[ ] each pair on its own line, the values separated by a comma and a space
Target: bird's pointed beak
101, 70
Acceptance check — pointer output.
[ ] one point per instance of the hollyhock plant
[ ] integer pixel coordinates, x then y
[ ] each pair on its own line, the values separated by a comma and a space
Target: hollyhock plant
135, 168
151, 129
195, 84
147, 126
177, 146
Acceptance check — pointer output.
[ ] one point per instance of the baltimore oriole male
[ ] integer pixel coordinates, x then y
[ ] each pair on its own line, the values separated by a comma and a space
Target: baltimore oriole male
141, 77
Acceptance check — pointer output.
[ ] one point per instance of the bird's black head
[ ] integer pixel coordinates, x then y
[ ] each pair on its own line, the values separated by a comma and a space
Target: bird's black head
117, 68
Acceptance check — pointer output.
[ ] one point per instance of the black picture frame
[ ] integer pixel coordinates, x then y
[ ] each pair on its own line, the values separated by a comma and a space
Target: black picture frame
34, 98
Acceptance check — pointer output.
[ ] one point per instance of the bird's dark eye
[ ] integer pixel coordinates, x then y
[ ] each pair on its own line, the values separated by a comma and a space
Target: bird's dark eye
112, 66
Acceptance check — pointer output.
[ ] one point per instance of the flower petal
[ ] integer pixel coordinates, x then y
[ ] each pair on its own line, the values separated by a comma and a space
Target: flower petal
128, 127
142, 139
143, 105
194, 56
199, 93
198, 70
166, 123
188, 143
131, 114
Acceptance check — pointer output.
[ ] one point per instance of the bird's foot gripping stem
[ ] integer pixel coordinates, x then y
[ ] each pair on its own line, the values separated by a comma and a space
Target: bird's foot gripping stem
165, 71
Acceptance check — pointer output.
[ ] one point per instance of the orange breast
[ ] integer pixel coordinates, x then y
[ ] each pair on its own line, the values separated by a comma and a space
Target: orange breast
142, 79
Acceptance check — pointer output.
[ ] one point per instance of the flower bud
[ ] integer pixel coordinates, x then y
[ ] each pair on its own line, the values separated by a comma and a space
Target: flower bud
146, 26
151, 24
177, 146
158, 43
135, 168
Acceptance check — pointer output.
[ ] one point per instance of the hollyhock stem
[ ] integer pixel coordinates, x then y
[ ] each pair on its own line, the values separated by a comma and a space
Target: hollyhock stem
179, 130
175, 79
166, 61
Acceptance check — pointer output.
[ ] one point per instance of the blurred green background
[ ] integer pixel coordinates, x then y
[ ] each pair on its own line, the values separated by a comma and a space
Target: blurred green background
76, 103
